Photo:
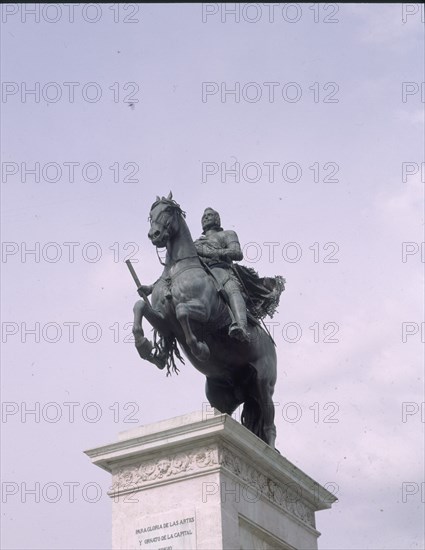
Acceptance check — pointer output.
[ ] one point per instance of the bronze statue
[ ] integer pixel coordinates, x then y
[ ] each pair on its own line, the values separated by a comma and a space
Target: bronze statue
188, 307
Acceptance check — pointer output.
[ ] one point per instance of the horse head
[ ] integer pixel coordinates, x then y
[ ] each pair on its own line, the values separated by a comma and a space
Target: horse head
164, 218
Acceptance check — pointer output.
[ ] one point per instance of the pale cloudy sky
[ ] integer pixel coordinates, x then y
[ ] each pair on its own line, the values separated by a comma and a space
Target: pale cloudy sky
324, 134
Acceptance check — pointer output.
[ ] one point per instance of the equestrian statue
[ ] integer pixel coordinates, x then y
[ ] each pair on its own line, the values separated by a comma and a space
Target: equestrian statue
213, 309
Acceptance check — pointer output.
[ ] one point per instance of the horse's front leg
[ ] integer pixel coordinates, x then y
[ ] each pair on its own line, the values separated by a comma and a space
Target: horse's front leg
193, 310
143, 345
155, 318
138, 316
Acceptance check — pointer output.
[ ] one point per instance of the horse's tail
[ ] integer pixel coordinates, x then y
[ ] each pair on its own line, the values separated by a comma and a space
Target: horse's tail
252, 417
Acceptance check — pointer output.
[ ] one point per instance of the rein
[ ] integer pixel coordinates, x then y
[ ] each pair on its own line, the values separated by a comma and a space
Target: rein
178, 272
159, 257
175, 261
186, 268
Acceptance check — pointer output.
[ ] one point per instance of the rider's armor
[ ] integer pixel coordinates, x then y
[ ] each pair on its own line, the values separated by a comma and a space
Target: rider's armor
218, 248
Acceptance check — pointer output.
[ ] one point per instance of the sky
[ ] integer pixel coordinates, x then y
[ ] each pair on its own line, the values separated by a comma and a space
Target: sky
302, 124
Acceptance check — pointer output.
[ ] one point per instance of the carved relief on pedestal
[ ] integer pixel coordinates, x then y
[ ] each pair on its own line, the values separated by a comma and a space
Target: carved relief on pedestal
134, 476
289, 497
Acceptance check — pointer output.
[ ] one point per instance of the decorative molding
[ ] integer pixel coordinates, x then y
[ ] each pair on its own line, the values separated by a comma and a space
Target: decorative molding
288, 497
132, 477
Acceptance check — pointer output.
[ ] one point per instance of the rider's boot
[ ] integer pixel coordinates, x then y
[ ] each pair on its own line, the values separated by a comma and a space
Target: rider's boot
238, 329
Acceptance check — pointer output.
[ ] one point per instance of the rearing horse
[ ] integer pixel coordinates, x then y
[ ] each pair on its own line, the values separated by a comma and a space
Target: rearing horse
187, 307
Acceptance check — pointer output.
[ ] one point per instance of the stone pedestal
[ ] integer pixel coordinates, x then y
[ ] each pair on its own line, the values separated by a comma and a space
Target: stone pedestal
203, 481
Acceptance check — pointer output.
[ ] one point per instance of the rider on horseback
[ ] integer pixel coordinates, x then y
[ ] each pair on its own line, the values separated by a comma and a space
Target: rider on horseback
185, 302
218, 249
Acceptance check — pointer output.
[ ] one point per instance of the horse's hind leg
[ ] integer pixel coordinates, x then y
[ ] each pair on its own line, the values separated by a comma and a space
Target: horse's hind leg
258, 412
268, 428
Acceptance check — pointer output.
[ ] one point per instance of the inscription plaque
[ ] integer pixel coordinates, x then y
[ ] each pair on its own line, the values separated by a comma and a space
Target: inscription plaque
173, 530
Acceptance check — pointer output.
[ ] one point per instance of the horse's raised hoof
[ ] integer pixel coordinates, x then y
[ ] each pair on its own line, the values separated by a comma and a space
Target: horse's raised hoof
143, 345
201, 351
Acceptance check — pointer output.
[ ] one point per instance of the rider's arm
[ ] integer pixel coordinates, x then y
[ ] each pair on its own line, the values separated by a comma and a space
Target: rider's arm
233, 250
228, 249
206, 249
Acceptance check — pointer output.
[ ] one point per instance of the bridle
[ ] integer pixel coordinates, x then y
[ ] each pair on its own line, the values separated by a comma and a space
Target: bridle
165, 225
175, 209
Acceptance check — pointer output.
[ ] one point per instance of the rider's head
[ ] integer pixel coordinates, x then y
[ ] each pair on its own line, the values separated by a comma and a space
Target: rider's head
211, 220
